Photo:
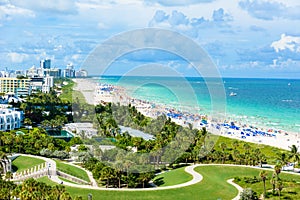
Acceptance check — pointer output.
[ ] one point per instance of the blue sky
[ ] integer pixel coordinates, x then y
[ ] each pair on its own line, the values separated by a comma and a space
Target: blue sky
244, 38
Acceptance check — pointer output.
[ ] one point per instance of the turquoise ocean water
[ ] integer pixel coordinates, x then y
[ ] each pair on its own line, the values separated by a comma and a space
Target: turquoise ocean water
272, 103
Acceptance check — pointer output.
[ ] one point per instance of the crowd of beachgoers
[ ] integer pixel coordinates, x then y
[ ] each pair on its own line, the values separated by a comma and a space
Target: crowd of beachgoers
96, 93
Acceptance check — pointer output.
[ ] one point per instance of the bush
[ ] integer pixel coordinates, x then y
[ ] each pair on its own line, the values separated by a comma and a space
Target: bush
46, 152
60, 154
248, 194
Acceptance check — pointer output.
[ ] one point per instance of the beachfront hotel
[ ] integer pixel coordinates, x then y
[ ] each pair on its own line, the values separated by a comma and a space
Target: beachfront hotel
14, 85
10, 119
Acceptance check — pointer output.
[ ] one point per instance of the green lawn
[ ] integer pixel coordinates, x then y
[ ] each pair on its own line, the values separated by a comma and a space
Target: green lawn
46, 180
66, 180
270, 152
213, 186
72, 170
24, 162
173, 177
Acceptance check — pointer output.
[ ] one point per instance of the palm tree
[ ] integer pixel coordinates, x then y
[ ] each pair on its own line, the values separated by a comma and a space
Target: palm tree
279, 187
235, 144
8, 175
223, 146
263, 175
294, 155
145, 178
28, 123
273, 182
106, 174
247, 147
277, 170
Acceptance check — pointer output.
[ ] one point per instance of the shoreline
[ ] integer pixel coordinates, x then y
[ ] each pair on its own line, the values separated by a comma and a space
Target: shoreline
96, 93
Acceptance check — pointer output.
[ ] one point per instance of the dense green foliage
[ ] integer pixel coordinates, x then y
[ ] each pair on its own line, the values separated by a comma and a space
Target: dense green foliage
29, 143
32, 189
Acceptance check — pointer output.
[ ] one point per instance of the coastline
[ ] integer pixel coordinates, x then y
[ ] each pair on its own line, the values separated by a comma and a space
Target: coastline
95, 94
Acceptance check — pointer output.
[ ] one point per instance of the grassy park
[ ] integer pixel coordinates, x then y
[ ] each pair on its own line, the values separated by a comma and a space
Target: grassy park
173, 177
25, 162
72, 170
213, 186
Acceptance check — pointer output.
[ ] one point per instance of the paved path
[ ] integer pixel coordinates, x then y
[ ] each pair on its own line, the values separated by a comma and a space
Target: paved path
90, 175
190, 169
239, 188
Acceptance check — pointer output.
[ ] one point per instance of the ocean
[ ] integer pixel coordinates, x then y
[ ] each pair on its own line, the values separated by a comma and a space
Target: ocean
271, 103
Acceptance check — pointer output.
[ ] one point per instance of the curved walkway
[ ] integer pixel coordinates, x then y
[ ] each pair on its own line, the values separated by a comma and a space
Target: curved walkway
189, 169
239, 188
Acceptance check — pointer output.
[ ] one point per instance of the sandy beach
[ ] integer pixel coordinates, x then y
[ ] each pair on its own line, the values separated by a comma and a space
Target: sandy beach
95, 94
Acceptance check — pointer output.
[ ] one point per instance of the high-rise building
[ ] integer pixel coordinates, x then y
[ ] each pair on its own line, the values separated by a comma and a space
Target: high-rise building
45, 64
48, 84
69, 71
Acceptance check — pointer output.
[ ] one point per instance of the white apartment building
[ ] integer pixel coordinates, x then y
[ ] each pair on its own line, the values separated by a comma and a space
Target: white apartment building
10, 119
48, 84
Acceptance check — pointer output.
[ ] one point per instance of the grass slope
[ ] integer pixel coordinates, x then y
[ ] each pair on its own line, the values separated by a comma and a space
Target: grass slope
24, 162
72, 170
172, 177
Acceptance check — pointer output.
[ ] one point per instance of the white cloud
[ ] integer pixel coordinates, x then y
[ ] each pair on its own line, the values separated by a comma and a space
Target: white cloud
287, 42
53, 6
270, 10
17, 57
8, 12
177, 2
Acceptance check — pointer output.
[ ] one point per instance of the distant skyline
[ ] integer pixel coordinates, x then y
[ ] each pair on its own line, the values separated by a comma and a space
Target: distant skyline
245, 38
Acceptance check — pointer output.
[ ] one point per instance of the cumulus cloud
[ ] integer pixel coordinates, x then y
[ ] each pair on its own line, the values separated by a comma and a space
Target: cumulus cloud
177, 2
220, 15
8, 12
287, 42
17, 57
267, 10
177, 18
53, 6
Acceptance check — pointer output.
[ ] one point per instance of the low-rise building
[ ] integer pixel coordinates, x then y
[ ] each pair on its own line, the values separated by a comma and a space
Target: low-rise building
10, 119
82, 129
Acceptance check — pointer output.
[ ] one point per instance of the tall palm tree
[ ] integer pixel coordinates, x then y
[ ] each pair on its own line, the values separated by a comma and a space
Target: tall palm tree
279, 187
294, 155
235, 144
263, 175
145, 178
277, 170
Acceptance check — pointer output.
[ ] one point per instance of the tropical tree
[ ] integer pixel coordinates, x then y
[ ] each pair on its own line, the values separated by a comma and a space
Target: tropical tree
273, 182
28, 123
294, 155
277, 169
263, 175
279, 186
107, 173
145, 178
8, 175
